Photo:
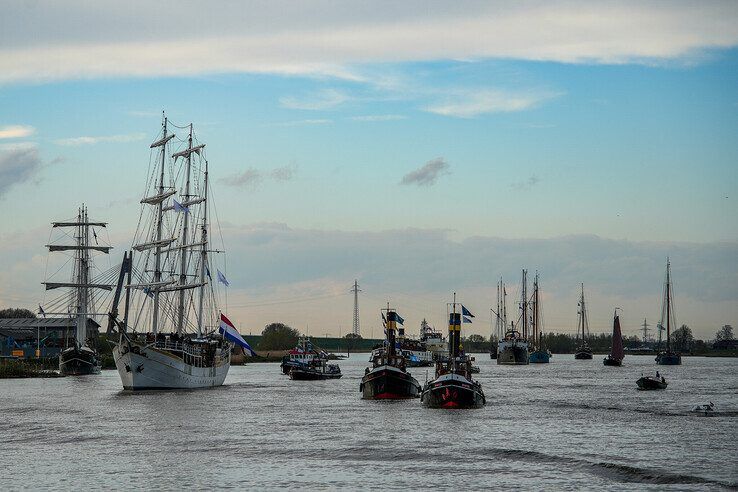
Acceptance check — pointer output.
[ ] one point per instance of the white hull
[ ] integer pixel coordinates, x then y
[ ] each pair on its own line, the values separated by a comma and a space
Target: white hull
158, 369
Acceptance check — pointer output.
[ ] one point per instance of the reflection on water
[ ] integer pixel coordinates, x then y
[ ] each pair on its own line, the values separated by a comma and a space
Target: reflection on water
568, 424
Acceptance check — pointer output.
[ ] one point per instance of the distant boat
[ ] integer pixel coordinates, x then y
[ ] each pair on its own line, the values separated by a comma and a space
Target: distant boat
317, 369
388, 378
453, 386
652, 383
668, 357
302, 355
617, 354
583, 351
513, 348
539, 355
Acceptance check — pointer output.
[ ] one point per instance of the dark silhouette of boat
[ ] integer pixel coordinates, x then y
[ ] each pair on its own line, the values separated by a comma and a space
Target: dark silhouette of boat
652, 383
617, 354
583, 351
668, 357
315, 370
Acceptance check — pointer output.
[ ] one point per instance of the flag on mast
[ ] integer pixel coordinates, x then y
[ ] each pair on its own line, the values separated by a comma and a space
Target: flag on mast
222, 279
231, 333
466, 312
178, 207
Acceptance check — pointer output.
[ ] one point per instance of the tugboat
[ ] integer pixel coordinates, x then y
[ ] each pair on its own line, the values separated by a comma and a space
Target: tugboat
315, 369
514, 349
617, 354
668, 358
79, 301
302, 355
583, 352
539, 355
388, 378
453, 386
646, 383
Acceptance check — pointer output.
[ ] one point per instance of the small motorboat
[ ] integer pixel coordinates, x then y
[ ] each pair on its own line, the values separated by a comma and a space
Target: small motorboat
652, 383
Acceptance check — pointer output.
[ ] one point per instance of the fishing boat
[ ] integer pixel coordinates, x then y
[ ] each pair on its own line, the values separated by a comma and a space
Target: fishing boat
79, 297
668, 357
173, 334
302, 355
388, 378
583, 351
646, 383
453, 386
539, 355
617, 354
514, 348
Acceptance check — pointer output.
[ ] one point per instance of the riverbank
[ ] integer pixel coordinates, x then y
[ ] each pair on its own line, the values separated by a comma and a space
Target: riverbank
26, 368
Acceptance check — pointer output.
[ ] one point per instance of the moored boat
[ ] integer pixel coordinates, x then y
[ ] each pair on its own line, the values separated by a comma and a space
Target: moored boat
453, 386
617, 354
667, 357
388, 378
583, 351
514, 348
540, 354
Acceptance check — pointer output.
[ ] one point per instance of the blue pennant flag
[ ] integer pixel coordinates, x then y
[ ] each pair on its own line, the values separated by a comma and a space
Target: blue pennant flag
400, 319
466, 312
178, 207
222, 279
466, 320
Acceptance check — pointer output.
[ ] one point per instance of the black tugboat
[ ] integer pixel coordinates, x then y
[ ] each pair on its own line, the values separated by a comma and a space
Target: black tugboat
583, 351
302, 355
318, 369
617, 354
667, 358
388, 379
304, 363
453, 386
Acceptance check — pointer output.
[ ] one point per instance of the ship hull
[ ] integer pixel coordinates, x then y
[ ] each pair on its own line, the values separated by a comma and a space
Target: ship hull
389, 383
646, 383
539, 357
77, 361
612, 361
302, 374
143, 367
583, 355
668, 359
452, 391
513, 355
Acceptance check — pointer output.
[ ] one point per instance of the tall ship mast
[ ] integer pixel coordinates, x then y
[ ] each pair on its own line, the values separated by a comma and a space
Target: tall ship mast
539, 355
514, 348
583, 351
453, 386
173, 333
500, 319
80, 296
668, 357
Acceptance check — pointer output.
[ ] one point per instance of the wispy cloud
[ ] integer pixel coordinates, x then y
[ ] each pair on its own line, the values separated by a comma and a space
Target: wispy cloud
319, 101
526, 184
471, 103
16, 131
427, 174
77, 141
253, 177
18, 166
286, 173
379, 117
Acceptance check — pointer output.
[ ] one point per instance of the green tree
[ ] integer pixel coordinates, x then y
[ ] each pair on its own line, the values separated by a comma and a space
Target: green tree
724, 333
682, 338
16, 313
278, 336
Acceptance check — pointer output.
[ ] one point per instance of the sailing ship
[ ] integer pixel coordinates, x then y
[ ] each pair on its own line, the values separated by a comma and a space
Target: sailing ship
453, 386
500, 317
583, 351
617, 354
80, 296
170, 334
539, 355
513, 349
388, 378
668, 357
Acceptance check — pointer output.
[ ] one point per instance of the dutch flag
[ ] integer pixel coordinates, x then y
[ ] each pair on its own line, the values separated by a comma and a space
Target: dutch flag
231, 333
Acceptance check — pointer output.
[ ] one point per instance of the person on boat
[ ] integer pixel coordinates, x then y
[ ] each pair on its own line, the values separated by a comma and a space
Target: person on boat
657, 374
662, 379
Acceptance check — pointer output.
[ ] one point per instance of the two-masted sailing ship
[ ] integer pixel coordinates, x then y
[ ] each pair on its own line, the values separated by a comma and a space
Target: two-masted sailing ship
582, 351
668, 319
79, 297
453, 386
388, 378
500, 320
617, 353
170, 334
514, 348
540, 354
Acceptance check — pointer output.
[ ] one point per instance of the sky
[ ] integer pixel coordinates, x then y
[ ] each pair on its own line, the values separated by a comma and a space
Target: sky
423, 148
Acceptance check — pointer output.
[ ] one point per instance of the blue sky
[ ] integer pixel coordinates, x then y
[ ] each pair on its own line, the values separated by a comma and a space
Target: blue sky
620, 124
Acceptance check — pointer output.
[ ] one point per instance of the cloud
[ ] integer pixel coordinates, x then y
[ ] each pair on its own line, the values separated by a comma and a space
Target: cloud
427, 174
18, 166
286, 173
471, 103
320, 101
379, 117
77, 141
16, 131
526, 184
250, 178
325, 39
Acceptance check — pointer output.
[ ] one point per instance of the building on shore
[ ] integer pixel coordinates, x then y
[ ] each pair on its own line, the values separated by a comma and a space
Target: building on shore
40, 337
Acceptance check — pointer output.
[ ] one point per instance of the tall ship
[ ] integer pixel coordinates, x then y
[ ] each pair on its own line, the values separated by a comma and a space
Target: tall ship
617, 354
668, 319
173, 334
513, 349
80, 294
500, 320
453, 386
540, 354
388, 377
582, 351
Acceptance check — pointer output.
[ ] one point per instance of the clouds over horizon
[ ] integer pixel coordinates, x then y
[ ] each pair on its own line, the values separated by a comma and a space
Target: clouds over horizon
18, 165
252, 177
427, 174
